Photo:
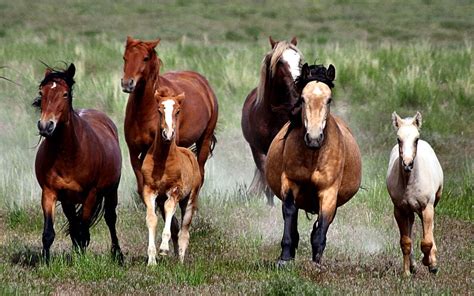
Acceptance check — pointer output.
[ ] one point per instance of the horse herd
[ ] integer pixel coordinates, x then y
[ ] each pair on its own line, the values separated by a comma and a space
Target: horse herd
305, 155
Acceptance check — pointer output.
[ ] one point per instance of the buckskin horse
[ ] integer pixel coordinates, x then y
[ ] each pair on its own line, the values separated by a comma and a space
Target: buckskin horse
313, 164
141, 77
260, 122
171, 177
78, 163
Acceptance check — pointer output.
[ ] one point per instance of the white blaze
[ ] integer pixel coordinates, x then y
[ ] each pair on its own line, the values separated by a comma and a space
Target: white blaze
54, 85
293, 59
168, 106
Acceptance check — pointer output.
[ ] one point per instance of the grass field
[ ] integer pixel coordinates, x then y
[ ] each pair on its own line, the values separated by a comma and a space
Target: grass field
416, 56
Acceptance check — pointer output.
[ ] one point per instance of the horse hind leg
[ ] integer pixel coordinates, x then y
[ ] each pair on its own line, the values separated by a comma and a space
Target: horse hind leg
72, 229
187, 211
204, 147
259, 184
110, 215
428, 246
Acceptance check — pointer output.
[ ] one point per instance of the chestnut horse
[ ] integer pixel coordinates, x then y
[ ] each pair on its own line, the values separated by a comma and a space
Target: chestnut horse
260, 122
313, 164
141, 78
78, 163
171, 176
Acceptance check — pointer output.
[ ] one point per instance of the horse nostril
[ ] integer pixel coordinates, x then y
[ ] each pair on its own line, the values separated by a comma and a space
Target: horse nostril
130, 83
50, 125
39, 124
306, 138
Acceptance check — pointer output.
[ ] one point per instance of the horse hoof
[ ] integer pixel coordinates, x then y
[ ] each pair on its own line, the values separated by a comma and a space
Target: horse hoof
118, 257
164, 252
283, 263
412, 269
433, 269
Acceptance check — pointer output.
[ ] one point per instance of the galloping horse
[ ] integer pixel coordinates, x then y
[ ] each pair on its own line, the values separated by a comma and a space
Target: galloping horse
313, 164
415, 183
171, 175
260, 121
141, 78
78, 164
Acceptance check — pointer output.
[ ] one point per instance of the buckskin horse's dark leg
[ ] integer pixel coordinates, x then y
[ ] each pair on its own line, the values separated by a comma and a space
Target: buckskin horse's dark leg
48, 202
327, 211
289, 242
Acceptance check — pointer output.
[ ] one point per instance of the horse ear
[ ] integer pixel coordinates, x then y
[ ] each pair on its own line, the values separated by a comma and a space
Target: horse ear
129, 39
331, 73
396, 120
152, 44
417, 120
48, 71
272, 42
294, 41
71, 70
180, 98
305, 71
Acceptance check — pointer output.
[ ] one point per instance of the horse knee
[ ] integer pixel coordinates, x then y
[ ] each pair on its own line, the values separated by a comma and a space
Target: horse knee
405, 244
426, 246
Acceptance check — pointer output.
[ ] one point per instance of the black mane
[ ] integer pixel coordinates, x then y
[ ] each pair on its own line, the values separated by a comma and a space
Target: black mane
315, 73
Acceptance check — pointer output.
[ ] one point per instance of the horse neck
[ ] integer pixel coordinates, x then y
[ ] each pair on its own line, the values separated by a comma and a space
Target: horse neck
143, 98
66, 138
164, 152
277, 93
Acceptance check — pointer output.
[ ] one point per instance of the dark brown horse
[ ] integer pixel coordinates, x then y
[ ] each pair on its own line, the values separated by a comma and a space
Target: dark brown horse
78, 163
141, 78
313, 164
260, 121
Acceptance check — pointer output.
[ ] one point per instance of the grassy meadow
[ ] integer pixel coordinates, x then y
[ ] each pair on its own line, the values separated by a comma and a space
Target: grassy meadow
388, 57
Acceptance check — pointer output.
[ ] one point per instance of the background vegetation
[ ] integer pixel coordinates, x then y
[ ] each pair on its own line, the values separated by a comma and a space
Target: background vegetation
388, 56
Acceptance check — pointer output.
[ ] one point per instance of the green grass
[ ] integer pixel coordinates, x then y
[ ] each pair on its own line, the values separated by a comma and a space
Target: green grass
388, 57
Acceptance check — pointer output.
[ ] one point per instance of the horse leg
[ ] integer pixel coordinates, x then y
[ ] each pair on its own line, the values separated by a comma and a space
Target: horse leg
405, 224
149, 197
137, 160
289, 242
88, 209
203, 146
174, 229
259, 183
48, 203
327, 211
188, 207
110, 204
170, 209
69, 210
428, 246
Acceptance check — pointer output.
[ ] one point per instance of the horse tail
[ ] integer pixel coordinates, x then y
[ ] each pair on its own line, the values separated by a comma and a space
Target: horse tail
212, 145
97, 213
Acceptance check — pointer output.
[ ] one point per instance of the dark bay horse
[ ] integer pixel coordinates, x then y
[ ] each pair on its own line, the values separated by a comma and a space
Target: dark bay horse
141, 78
78, 163
171, 177
260, 121
313, 164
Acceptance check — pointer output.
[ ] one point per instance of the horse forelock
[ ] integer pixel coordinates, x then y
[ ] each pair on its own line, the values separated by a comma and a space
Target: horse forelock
59, 76
269, 66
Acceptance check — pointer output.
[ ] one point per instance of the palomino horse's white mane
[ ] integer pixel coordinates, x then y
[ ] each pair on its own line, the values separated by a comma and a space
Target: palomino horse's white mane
276, 55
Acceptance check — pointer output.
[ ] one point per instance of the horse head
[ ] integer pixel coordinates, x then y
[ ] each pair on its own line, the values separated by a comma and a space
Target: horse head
140, 60
408, 133
169, 106
55, 99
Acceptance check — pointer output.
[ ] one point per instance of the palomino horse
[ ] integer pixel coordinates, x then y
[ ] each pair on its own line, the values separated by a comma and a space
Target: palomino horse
313, 164
171, 176
415, 183
141, 78
78, 164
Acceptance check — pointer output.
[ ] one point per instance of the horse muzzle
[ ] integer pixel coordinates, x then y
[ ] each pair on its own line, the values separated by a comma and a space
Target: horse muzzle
46, 127
128, 85
167, 137
314, 143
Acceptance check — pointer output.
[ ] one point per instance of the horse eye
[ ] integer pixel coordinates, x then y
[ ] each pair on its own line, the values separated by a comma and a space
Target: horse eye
398, 140
40, 93
146, 59
329, 101
65, 94
124, 59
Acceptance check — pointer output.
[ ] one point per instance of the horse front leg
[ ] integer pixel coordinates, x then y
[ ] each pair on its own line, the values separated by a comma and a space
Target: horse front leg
149, 197
170, 208
48, 203
136, 159
290, 239
405, 225
188, 207
327, 211
428, 246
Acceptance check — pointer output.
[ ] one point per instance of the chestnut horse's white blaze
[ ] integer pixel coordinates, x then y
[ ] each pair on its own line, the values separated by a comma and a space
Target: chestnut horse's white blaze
168, 107
415, 184
293, 58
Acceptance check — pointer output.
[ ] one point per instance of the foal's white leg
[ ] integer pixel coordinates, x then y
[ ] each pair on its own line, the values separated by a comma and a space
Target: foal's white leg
149, 198
170, 209
428, 246
405, 224
183, 235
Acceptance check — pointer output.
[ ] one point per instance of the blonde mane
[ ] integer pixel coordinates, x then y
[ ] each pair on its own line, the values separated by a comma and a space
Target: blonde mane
272, 59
